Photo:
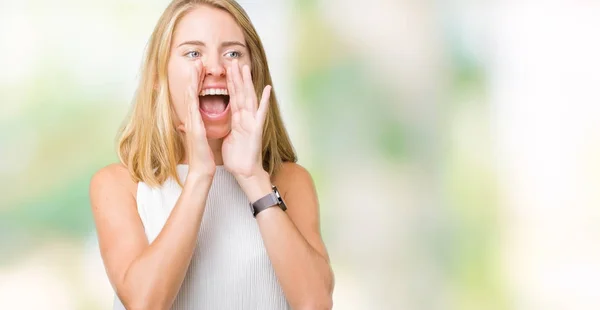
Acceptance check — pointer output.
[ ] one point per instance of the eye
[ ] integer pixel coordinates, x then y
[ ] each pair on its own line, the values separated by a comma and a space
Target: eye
192, 54
233, 54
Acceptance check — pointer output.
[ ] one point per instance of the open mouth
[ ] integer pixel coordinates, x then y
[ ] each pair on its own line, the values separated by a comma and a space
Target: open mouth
213, 101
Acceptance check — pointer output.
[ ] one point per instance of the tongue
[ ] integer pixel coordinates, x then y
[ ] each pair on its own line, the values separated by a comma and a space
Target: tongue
212, 104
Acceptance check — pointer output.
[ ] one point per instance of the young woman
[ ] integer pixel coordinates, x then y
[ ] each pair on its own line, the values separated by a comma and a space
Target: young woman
207, 208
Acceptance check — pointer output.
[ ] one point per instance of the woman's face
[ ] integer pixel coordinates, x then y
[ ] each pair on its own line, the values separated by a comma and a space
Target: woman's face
213, 36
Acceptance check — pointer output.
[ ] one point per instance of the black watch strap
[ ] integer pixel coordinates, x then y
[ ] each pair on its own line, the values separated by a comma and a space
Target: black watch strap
272, 199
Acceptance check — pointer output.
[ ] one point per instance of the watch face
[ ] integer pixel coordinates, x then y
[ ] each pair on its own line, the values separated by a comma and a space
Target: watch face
279, 199
276, 193
282, 205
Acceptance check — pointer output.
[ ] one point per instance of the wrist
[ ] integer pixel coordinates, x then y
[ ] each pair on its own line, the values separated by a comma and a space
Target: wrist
195, 179
256, 185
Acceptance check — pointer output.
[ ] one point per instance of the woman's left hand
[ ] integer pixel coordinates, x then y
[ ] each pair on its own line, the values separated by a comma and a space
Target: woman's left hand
242, 148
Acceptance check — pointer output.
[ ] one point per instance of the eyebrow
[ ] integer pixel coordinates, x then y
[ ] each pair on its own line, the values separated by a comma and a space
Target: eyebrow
224, 44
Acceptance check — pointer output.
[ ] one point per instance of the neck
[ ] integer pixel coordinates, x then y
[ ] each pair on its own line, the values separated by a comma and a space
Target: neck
215, 147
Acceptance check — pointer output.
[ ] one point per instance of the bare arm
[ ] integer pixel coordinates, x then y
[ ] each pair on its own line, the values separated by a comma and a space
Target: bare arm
293, 240
145, 276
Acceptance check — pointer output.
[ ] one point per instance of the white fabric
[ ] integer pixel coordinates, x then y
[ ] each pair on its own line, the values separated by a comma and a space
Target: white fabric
230, 268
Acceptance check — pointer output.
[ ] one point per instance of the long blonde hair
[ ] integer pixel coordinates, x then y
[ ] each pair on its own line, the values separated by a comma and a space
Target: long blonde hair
149, 145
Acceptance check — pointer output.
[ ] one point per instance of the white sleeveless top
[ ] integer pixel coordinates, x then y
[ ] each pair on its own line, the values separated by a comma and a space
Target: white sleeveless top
230, 268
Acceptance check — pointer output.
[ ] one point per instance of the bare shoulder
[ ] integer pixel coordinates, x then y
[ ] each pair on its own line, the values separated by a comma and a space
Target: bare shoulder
114, 177
297, 188
113, 172
292, 175
112, 187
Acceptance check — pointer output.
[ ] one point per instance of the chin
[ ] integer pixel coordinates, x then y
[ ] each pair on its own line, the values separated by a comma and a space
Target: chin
216, 131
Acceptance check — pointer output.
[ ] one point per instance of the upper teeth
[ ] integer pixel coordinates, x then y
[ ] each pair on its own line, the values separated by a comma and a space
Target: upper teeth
214, 91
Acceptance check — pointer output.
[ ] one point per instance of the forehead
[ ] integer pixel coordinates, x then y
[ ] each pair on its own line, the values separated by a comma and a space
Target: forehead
207, 24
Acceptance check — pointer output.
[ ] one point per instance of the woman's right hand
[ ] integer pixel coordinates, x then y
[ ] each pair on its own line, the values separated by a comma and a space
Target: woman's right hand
198, 153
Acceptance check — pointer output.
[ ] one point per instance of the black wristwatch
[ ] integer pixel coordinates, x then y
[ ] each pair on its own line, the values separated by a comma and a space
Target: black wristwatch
272, 199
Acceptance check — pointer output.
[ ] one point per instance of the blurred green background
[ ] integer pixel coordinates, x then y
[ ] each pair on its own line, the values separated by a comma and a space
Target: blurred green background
454, 145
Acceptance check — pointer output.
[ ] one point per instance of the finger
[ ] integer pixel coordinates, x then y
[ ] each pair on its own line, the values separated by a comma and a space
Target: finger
231, 91
197, 126
188, 121
194, 104
261, 114
191, 102
186, 101
196, 80
238, 84
249, 89
192, 89
202, 74
199, 129
194, 76
188, 132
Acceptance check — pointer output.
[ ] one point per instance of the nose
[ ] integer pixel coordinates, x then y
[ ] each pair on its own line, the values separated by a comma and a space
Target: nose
214, 67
